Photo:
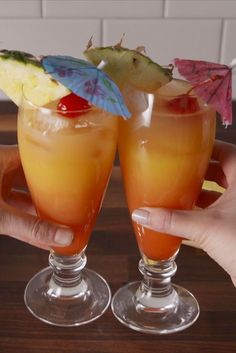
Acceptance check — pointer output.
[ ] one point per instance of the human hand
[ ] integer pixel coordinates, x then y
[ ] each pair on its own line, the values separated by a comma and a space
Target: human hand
17, 214
213, 225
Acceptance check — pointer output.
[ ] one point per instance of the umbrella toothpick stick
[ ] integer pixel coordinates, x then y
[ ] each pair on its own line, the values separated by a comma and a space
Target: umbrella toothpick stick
232, 65
102, 64
208, 80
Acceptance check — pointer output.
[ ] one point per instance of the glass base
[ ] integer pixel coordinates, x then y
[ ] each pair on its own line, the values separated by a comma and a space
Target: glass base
67, 306
160, 315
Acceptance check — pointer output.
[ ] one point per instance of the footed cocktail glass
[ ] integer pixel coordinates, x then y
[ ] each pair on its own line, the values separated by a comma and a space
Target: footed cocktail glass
67, 164
164, 153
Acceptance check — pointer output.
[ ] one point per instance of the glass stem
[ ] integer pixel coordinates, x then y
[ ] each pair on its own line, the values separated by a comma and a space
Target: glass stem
66, 276
155, 292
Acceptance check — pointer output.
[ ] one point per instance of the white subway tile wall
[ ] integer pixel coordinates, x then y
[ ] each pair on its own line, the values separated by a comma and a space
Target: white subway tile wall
198, 29
20, 9
103, 9
200, 8
165, 39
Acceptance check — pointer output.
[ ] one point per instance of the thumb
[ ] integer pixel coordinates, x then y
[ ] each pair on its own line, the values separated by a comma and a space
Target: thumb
187, 224
32, 229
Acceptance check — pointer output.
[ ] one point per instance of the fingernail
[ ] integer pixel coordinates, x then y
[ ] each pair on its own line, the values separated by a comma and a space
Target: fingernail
141, 216
63, 236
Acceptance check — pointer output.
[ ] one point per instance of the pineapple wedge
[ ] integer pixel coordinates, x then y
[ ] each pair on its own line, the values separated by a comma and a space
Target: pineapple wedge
129, 67
22, 73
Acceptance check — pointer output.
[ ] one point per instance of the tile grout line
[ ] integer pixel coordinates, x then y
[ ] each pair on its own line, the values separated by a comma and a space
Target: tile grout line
102, 32
164, 9
42, 8
221, 40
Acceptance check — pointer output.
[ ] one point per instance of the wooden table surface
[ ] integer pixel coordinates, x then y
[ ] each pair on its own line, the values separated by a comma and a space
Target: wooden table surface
113, 253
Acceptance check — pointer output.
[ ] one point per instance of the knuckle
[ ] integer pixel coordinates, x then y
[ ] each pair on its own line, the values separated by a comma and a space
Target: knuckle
40, 230
214, 215
167, 220
161, 221
36, 229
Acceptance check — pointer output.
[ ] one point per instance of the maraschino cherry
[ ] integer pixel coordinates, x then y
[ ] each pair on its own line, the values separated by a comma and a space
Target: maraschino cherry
184, 104
72, 106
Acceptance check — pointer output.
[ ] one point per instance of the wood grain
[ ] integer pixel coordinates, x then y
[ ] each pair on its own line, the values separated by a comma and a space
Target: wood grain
113, 253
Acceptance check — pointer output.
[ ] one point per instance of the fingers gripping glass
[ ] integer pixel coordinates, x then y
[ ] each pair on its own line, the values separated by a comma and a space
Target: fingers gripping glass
164, 152
67, 163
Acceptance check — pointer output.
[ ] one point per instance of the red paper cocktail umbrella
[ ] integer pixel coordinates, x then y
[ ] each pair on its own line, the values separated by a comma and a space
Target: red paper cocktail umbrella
212, 82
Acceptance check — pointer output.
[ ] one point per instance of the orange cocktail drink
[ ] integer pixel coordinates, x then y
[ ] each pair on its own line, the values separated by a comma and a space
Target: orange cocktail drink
164, 153
67, 163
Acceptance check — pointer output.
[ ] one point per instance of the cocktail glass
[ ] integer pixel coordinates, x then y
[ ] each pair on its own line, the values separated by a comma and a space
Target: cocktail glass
67, 164
164, 155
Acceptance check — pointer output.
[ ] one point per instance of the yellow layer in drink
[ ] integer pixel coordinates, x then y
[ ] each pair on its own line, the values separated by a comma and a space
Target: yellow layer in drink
164, 156
67, 163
